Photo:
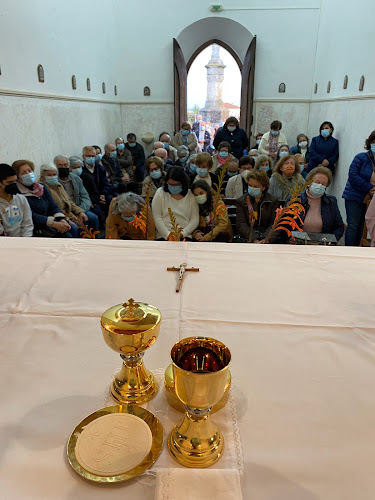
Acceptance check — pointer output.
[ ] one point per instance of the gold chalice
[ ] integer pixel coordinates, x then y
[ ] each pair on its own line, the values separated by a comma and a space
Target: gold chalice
200, 370
130, 329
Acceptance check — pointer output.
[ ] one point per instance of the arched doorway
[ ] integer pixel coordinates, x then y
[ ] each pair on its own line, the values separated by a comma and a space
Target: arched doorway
234, 38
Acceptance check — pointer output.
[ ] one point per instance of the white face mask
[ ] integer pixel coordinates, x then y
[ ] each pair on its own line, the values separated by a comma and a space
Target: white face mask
231, 128
243, 174
303, 144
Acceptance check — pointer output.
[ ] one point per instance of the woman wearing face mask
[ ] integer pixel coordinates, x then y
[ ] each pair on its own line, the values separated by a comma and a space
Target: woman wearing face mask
203, 164
237, 185
182, 156
156, 174
49, 221
281, 152
322, 214
302, 165
359, 189
256, 206
232, 133
285, 178
15, 212
72, 212
258, 140
121, 214
175, 195
302, 147
222, 155
272, 140
222, 230
185, 137
324, 149
264, 163
191, 168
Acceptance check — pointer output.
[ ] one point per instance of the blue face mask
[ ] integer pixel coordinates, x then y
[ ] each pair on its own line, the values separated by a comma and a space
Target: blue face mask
51, 181
90, 161
373, 148
202, 172
165, 145
275, 132
265, 169
317, 189
28, 179
283, 153
185, 132
155, 174
192, 168
174, 189
232, 174
99, 156
77, 171
223, 154
121, 147
325, 132
132, 144
128, 219
254, 192
183, 159
113, 154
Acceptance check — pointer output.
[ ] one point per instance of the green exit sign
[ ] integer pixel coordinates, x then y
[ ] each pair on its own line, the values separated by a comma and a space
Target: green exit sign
216, 8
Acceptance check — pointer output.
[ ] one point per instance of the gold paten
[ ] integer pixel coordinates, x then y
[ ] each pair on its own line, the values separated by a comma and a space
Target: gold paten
156, 447
197, 441
130, 329
176, 403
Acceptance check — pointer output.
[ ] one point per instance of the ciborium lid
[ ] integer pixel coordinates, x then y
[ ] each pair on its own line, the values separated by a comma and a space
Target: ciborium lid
130, 318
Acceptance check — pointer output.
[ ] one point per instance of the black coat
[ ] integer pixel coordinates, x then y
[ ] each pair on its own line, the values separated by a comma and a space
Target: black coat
266, 216
238, 140
331, 217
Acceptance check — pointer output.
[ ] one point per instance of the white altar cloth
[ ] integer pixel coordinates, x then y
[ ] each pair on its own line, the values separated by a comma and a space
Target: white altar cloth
298, 320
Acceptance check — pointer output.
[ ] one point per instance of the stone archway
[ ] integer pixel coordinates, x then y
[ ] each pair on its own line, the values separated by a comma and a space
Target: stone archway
232, 36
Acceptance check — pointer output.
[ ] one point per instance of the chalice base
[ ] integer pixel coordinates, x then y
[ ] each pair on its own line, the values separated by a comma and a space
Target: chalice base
134, 384
196, 442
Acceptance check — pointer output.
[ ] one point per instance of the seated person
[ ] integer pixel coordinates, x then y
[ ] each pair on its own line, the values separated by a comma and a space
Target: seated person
258, 139
138, 154
163, 155
182, 156
191, 168
285, 178
175, 195
99, 155
124, 157
302, 164
237, 185
165, 138
254, 153
222, 228
185, 137
121, 178
256, 204
122, 212
72, 213
15, 212
264, 163
203, 163
281, 152
222, 155
302, 147
322, 214
98, 175
155, 174
75, 189
233, 169
48, 219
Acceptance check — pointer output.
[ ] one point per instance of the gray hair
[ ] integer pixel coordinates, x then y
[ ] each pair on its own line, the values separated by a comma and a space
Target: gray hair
46, 167
58, 157
127, 202
119, 139
181, 150
252, 150
73, 160
164, 152
261, 159
192, 157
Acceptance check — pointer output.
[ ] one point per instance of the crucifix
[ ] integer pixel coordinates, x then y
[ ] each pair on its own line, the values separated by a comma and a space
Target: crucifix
182, 269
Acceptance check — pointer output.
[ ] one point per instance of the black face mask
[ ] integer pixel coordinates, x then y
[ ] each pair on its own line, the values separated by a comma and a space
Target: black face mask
64, 172
12, 189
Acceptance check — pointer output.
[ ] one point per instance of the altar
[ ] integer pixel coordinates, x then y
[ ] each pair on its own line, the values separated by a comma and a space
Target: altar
299, 321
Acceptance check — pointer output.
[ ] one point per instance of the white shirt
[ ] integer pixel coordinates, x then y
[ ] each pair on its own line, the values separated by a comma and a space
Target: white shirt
185, 210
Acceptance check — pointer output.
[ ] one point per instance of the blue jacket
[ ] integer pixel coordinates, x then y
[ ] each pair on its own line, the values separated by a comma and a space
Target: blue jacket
323, 149
297, 150
238, 140
331, 217
358, 183
42, 208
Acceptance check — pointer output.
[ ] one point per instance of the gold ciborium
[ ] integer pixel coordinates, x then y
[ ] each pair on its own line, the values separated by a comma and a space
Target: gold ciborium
130, 329
200, 370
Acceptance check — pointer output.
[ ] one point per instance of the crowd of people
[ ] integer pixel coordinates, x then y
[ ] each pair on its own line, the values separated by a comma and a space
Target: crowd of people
105, 190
